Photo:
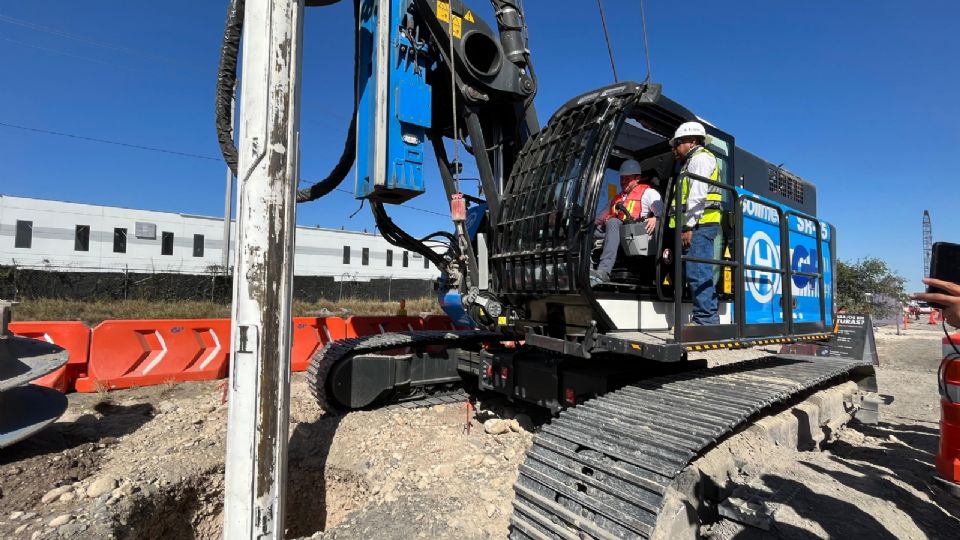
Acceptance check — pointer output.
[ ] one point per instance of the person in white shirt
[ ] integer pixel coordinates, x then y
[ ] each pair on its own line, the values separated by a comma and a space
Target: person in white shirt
638, 201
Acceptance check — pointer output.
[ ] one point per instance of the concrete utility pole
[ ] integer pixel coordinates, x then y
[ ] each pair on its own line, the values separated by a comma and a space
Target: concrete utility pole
257, 422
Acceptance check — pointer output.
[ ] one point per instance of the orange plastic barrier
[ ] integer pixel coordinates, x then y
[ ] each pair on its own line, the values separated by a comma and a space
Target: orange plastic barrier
74, 336
438, 322
143, 353
310, 334
948, 456
371, 326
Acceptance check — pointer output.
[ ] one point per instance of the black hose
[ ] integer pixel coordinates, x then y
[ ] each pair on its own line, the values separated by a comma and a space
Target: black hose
349, 153
227, 81
226, 85
398, 237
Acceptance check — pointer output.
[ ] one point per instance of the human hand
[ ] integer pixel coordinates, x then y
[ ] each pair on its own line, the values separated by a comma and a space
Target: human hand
686, 238
650, 225
949, 299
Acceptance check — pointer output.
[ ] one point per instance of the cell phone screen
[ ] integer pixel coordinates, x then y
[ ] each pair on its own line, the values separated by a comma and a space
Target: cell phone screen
944, 265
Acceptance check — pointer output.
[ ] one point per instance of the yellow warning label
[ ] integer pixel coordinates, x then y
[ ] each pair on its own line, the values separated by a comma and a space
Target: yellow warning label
612, 192
469, 16
443, 11
457, 26
501, 320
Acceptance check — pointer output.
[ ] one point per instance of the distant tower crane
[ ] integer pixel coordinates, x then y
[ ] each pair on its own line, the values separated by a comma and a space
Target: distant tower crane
927, 243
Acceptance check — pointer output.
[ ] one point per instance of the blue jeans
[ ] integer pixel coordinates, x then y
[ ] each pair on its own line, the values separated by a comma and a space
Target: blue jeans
700, 276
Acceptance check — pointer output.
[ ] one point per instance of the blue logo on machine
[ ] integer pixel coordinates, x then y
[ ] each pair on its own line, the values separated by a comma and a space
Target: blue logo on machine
803, 261
761, 251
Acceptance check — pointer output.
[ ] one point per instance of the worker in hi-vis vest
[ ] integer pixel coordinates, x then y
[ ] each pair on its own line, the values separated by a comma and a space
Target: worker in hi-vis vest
638, 201
702, 209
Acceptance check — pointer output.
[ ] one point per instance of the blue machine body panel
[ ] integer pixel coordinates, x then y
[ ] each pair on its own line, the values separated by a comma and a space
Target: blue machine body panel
394, 105
763, 251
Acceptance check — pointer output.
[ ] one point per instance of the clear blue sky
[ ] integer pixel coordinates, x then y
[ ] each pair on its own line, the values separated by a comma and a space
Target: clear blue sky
858, 97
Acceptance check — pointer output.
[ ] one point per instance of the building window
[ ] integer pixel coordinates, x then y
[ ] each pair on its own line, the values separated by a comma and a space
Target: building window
166, 243
346, 254
198, 245
365, 257
406, 258
81, 239
24, 238
389, 257
426, 262
120, 240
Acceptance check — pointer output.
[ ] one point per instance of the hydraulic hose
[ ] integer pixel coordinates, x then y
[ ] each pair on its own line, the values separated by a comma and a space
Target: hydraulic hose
226, 85
227, 81
349, 153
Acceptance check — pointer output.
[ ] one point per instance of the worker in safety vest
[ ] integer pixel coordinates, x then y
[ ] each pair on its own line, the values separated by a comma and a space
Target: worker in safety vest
702, 211
638, 201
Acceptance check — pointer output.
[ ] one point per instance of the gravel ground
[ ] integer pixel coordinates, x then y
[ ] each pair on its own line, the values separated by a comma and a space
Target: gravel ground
148, 463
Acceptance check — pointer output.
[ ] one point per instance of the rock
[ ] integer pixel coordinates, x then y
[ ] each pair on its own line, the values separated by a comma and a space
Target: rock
491, 510
72, 529
60, 521
102, 485
36, 535
495, 426
28, 515
15, 515
54, 494
167, 406
21, 528
67, 497
513, 425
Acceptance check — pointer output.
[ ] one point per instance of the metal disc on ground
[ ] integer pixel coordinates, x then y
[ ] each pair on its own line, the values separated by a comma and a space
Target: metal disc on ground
26, 410
23, 360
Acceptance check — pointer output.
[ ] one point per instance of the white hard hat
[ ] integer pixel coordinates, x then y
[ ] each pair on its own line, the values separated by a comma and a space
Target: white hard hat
690, 129
629, 167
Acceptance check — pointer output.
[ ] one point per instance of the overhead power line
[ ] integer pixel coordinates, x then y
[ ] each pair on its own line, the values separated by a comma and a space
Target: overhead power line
166, 151
107, 141
94, 42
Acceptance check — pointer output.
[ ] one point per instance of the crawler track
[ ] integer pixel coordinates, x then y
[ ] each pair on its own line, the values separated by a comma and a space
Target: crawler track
341, 350
602, 468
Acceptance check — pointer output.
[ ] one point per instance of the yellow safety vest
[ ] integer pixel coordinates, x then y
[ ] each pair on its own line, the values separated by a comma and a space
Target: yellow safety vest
712, 208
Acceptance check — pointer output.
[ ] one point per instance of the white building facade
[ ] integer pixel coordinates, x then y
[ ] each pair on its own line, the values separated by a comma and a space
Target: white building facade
64, 236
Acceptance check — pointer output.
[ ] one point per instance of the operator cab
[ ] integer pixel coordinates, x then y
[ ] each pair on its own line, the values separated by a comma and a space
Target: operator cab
771, 262
636, 269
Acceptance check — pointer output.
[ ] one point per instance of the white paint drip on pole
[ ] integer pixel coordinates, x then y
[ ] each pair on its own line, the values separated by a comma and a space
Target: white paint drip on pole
258, 416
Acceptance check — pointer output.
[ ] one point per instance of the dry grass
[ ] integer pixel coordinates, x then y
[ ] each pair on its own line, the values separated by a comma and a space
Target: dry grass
92, 313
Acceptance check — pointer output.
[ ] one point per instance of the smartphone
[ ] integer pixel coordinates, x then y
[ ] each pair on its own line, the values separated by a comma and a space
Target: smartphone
944, 265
